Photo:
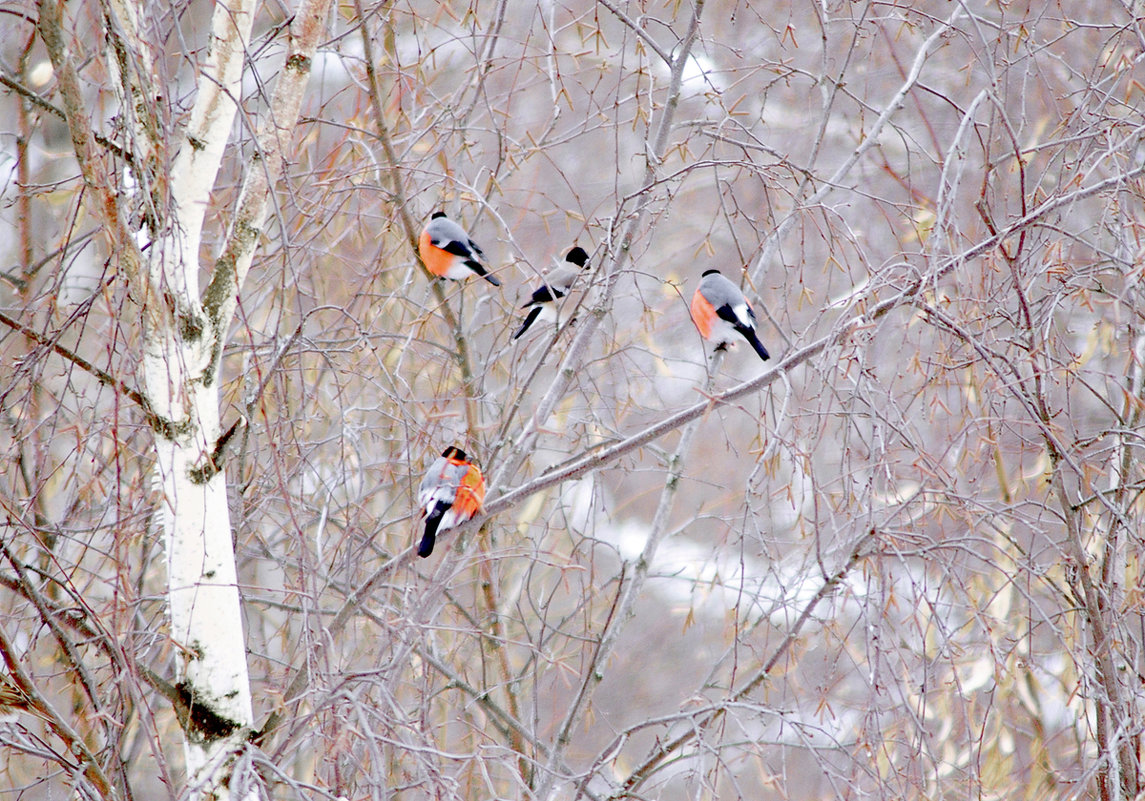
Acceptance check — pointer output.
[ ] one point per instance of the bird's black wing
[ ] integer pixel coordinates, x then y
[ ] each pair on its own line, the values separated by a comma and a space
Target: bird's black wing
727, 314
543, 294
457, 248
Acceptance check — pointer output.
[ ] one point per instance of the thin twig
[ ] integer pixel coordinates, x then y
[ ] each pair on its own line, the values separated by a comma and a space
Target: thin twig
662, 752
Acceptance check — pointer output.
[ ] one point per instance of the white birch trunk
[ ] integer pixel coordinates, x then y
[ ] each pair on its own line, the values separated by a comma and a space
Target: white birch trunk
203, 598
181, 378
181, 375
184, 330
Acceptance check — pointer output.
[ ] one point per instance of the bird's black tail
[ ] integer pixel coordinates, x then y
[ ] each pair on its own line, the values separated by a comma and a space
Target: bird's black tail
530, 318
479, 268
753, 340
432, 521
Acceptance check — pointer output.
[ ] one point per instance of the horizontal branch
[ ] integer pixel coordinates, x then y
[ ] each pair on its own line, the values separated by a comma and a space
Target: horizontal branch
102, 376
605, 457
52, 108
906, 296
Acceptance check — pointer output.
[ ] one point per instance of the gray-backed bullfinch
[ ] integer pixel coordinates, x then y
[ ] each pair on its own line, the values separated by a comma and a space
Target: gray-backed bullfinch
448, 252
543, 303
723, 315
451, 492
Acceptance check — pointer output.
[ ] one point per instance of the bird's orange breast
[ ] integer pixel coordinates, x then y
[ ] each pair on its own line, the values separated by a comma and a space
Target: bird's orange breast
703, 314
470, 494
436, 260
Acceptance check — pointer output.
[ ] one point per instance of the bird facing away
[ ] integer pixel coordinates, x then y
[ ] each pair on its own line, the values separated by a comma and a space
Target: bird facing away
723, 315
448, 252
451, 492
543, 303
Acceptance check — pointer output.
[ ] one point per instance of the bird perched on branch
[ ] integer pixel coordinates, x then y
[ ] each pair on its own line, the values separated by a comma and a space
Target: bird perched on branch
723, 315
543, 303
448, 252
451, 492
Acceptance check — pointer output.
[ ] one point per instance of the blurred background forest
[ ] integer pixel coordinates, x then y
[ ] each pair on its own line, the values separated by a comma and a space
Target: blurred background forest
901, 560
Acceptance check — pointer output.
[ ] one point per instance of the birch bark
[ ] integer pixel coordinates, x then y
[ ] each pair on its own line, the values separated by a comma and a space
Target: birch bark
169, 183
182, 366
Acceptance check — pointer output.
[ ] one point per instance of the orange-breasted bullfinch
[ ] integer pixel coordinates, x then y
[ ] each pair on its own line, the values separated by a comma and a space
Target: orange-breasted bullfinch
448, 252
722, 313
543, 303
451, 492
